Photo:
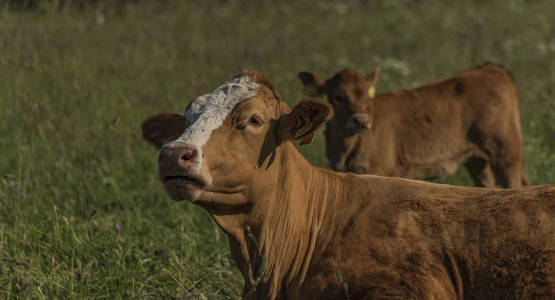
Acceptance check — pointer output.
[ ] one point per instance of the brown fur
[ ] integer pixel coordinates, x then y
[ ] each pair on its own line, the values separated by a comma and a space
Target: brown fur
301, 232
426, 132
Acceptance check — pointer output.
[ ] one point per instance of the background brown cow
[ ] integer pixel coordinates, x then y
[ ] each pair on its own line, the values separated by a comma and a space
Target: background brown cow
300, 232
426, 132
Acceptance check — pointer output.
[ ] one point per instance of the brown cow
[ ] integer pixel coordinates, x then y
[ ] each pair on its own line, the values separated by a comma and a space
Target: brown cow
426, 132
297, 231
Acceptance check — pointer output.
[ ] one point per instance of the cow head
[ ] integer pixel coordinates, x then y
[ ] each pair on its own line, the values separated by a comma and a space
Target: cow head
350, 94
227, 139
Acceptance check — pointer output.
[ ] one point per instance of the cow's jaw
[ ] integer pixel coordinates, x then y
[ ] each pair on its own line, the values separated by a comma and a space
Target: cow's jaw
205, 114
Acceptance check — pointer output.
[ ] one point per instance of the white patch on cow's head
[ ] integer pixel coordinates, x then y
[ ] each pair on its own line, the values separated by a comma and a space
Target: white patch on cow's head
208, 112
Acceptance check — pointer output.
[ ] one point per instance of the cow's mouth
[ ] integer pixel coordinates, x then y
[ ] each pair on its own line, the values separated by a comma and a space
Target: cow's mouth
187, 182
358, 127
184, 187
361, 128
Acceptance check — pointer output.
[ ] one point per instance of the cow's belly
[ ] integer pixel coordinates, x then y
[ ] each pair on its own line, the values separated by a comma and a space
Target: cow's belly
427, 168
414, 171
430, 171
413, 166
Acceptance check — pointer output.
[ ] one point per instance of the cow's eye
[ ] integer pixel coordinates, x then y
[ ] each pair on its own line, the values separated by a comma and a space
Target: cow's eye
255, 121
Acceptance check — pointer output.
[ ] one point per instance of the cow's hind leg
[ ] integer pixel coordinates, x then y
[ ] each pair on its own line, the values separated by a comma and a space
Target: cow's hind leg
481, 172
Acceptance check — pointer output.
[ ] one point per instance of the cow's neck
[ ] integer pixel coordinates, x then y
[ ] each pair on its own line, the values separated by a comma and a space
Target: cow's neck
339, 147
274, 244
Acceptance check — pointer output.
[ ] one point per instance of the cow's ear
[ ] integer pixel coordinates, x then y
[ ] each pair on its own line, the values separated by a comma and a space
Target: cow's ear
302, 122
313, 84
372, 78
163, 128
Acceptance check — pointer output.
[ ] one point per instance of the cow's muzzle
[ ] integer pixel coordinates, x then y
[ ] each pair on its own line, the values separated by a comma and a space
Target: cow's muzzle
178, 168
359, 122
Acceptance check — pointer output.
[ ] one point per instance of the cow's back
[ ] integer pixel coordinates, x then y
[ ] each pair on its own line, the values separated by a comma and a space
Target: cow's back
509, 244
421, 240
492, 243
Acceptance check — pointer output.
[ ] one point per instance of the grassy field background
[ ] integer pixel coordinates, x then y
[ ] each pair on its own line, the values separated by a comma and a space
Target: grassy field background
82, 214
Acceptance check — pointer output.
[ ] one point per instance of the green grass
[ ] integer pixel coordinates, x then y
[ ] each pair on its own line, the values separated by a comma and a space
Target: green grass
76, 84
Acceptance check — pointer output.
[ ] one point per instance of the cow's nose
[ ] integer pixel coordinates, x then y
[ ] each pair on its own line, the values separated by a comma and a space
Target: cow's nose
183, 156
361, 120
188, 155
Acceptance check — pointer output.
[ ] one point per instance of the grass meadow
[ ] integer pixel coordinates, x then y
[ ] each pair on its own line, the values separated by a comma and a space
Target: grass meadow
82, 214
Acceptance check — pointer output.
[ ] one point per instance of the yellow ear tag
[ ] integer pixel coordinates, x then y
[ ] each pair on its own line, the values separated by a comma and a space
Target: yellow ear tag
306, 128
311, 91
372, 92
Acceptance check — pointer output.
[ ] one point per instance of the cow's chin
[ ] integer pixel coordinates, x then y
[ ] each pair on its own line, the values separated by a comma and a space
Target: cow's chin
181, 193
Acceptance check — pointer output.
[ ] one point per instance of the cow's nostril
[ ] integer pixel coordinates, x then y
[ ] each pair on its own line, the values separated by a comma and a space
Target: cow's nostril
189, 154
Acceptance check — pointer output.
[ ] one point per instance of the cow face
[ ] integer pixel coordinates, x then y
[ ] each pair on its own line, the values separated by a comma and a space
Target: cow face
226, 138
350, 94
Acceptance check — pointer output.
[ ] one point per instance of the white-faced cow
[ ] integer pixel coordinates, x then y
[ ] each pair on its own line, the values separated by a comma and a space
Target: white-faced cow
426, 132
301, 232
